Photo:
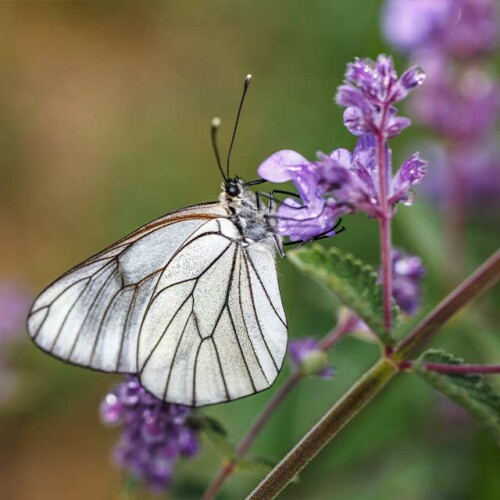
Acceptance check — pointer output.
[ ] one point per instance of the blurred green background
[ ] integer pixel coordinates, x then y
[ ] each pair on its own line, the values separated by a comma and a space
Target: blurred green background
105, 110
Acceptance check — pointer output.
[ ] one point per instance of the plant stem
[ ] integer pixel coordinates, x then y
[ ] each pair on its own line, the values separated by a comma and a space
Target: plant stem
328, 341
331, 423
483, 278
373, 381
384, 223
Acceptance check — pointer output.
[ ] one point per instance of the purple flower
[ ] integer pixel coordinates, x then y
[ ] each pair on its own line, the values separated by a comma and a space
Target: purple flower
463, 28
307, 357
335, 184
14, 307
155, 434
357, 177
369, 92
316, 213
407, 272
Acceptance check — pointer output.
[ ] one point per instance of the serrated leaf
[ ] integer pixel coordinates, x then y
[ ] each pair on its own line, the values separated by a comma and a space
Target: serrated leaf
471, 391
216, 434
352, 281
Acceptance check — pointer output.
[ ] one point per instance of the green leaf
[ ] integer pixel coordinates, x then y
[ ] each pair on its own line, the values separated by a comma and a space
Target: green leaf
353, 282
472, 391
255, 465
215, 433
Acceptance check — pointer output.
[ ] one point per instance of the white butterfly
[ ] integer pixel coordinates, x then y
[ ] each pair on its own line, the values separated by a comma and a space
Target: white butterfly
189, 302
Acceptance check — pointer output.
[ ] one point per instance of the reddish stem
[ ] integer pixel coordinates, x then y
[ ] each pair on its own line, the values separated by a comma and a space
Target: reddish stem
449, 368
328, 341
384, 222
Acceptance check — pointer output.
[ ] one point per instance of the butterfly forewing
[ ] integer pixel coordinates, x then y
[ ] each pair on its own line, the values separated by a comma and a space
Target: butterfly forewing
183, 301
91, 315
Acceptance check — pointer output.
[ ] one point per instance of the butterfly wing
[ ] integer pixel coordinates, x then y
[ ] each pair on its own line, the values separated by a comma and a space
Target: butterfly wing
182, 301
215, 329
91, 316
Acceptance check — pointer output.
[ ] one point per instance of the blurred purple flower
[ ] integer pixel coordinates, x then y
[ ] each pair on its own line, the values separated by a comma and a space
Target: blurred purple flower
463, 28
461, 106
407, 272
155, 434
370, 90
477, 168
14, 307
307, 351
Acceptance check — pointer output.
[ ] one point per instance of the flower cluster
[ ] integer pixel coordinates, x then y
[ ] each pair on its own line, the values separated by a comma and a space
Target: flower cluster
342, 182
155, 434
370, 90
451, 39
14, 305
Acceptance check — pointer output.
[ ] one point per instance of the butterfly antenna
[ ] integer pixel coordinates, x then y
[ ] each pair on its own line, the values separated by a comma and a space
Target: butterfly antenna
245, 88
213, 134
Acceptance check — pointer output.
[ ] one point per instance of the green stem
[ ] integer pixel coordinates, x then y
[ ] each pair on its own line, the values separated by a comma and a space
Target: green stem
331, 423
374, 380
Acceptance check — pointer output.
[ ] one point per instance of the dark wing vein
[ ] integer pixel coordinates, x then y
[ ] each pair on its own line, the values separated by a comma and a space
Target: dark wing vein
167, 381
125, 329
89, 309
265, 291
245, 322
255, 310
241, 350
178, 309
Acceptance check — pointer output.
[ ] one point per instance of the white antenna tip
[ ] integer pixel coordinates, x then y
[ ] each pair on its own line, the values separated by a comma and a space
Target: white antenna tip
249, 77
216, 122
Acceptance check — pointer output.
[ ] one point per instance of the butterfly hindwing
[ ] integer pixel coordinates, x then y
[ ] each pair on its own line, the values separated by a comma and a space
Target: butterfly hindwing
206, 338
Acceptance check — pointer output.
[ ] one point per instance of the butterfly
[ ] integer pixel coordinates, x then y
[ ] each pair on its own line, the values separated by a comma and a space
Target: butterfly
189, 302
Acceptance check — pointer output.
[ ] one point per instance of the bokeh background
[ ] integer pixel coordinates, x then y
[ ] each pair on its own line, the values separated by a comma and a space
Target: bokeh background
105, 109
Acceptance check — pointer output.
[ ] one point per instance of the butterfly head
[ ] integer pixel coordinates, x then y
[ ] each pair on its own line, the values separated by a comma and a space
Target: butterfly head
233, 188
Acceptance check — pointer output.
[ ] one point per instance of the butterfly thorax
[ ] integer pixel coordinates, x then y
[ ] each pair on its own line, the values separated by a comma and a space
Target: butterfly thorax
252, 219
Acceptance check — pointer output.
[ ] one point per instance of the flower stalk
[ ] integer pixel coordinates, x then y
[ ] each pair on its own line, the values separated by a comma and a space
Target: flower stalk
385, 224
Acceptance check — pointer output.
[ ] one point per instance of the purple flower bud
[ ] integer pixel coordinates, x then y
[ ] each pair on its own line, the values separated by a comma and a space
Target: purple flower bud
408, 272
155, 434
395, 125
306, 354
111, 409
356, 123
410, 173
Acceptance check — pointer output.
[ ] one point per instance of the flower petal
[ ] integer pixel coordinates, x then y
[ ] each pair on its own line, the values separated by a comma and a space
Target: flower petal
276, 168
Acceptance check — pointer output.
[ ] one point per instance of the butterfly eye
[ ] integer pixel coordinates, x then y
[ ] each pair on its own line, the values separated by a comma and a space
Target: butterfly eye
233, 190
